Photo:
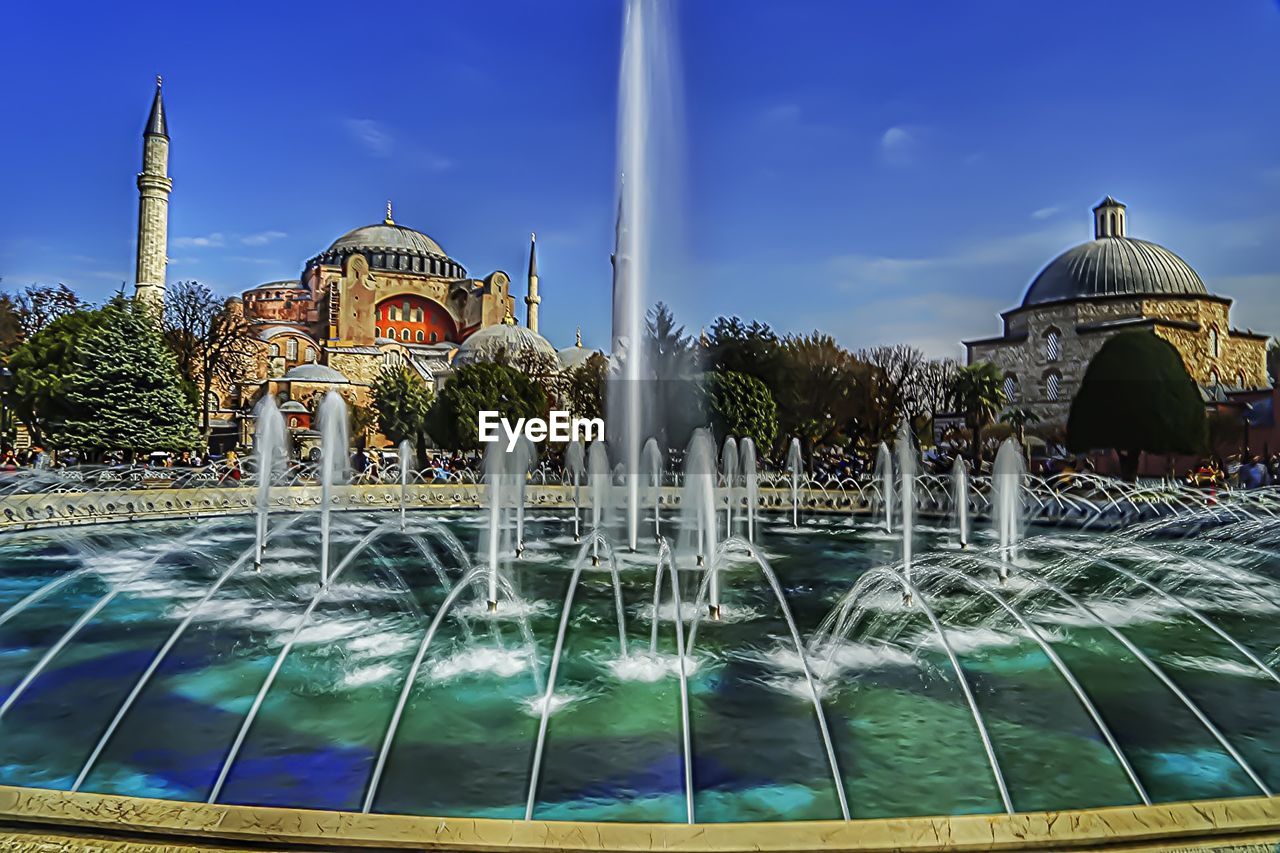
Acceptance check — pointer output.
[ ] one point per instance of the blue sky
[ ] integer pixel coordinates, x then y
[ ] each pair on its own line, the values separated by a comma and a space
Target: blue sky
884, 171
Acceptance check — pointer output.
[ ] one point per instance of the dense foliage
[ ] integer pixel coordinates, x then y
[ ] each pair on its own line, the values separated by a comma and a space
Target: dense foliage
403, 401
742, 406
482, 387
1137, 396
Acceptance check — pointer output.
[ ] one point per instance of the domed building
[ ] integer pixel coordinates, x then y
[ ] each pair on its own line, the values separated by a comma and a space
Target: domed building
1110, 284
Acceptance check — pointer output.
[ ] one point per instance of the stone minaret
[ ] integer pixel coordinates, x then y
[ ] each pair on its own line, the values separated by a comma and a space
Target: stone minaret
533, 300
153, 206
1108, 219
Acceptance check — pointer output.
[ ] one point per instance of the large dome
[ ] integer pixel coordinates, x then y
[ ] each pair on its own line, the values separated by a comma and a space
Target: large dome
1114, 266
392, 247
506, 341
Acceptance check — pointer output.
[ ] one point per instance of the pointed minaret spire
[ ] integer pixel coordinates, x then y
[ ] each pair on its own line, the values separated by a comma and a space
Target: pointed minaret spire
578, 343
389, 220
533, 299
154, 187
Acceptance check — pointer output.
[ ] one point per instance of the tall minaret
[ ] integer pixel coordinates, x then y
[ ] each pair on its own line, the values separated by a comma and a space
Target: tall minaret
154, 187
533, 300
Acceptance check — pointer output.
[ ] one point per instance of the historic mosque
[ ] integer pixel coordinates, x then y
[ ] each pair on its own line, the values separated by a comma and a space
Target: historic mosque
1113, 283
379, 295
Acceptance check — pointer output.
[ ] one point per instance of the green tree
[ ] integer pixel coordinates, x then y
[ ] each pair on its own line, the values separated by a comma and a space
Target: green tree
584, 387
754, 350
671, 401
403, 403
1019, 419
454, 418
825, 398
742, 406
41, 365
123, 390
979, 393
1137, 396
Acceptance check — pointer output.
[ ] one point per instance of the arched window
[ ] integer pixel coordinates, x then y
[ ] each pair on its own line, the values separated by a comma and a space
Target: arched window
275, 350
291, 349
1111, 225
1213, 343
1010, 388
1053, 386
434, 337
404, 334
311, 354
418, 336
377, 333
393, 313
1052, 345
391, 333
293, 422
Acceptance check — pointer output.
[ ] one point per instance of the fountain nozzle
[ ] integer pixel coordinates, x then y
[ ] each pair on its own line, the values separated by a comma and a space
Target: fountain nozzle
519, 550
906, 599
493, 607
713, 613
699, 560
257, 566
595, 559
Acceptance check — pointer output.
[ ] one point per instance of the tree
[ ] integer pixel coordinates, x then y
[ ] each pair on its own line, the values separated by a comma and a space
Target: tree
937, 387
39, 305
1018, 419
474, 388
584, 387
11, 334
979, 394
742, 406
123, 390
41, 365
672, 399
210, 338
753, 350
899, 382
1137, 396
403, 403
824, 400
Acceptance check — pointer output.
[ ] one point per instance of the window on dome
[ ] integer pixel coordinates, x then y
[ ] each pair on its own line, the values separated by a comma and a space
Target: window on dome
1053, 386
1010, 388
418, 336
1052, 345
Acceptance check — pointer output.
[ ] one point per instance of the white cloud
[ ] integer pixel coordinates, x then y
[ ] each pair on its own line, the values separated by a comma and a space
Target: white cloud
262, 238
372, 135
1045, 213
898, 145
208, 241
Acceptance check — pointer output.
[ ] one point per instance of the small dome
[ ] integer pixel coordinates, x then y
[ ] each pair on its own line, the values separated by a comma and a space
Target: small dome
1114, 266
293, 407
505, 340
571, 357
315, 373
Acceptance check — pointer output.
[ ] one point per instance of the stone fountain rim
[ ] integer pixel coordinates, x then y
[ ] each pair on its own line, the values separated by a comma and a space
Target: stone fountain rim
81, 818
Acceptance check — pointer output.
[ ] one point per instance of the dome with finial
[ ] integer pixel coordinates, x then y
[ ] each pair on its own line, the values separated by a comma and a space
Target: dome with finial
392, 247
576, 355
506, 342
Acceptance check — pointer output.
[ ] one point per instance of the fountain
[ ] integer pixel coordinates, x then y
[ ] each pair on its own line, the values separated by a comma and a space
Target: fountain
573, 466
1006, 484
729, 470
750, 484
884, 475
406, 451
794, 467
960, 499
907, 473
334, 446
599, 483
269, 458
653, 463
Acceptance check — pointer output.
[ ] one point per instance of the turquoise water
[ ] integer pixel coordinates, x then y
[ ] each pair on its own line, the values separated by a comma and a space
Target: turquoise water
905, 740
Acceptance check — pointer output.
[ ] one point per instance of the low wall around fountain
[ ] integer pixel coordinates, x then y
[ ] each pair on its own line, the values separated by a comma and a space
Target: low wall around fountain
66, 509
37, 819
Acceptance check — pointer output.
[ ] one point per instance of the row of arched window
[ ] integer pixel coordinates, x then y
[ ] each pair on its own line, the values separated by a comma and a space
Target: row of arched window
291, 350
413, 315
407, 335
1051, 384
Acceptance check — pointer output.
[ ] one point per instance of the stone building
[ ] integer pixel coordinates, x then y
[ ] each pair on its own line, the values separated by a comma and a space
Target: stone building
379, 295
1110, 284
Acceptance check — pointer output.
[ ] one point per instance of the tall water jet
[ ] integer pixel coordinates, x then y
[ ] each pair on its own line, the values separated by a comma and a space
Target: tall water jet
750, 484
599, 483
652, 459
729, 468
647, 127
573, 466
405, 450
334, 444
960, 499
884, 473
907, 474
523, 458
268, 452
496, 461
794, 464
1006, 483
698, 508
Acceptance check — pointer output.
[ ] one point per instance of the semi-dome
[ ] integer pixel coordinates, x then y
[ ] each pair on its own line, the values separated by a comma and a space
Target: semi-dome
388, 246
315, 373
505, 341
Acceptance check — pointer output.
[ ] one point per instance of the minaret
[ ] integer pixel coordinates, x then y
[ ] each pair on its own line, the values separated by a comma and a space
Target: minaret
1108, 219
154, 187
533, 300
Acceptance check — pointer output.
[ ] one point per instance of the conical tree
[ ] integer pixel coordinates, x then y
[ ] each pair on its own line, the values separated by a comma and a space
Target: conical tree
1137, 396
123, 390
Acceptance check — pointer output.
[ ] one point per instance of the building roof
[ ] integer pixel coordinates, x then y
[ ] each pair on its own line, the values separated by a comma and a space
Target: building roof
1114, 266
292, 407
505, 340
1109, 201
388, 237
268, 332
156, 123
315, 373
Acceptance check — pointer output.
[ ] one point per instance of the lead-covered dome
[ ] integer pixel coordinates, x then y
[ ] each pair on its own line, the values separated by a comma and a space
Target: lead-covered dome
392, 247
506, 342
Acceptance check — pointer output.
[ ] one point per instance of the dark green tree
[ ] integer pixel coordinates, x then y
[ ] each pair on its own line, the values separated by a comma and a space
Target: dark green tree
978, 390
403, 403
584, 387
754, 349
1137, 396
672, 401
742, 406
825, 400
123, 390
454, 418
41, 366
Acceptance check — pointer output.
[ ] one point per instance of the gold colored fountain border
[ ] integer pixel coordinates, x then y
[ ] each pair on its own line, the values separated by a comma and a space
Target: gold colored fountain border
38, 819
